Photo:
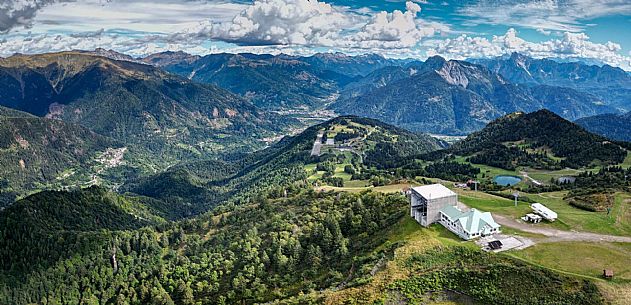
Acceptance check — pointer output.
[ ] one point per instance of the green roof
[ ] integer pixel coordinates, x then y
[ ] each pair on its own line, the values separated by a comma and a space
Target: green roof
451, 212
472, 221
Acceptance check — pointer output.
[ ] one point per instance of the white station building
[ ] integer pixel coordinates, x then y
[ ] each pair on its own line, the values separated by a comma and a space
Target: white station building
437, 204
470, 224
426, 202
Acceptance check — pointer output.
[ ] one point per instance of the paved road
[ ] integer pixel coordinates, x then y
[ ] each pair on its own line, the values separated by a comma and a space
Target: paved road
317, 145
554, 235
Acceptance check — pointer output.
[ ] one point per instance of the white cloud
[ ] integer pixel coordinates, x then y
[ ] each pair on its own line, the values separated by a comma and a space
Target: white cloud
42, 43
16, 13
150, 16
141, 27
315, 23
284, 22
392, 30
568, 46
561, 15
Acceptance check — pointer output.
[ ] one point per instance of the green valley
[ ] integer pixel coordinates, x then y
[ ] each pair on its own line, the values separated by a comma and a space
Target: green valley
228, 179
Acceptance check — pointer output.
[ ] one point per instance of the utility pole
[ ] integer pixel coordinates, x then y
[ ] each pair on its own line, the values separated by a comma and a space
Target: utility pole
516, 195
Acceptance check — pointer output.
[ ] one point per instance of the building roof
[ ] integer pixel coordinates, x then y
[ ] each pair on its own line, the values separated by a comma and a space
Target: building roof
544, 211
472, 221
434, 191
451, 212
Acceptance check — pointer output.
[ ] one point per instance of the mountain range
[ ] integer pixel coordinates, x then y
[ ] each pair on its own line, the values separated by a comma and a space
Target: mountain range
274, 81
611, 84
462, 95
140, 116
135, 103
456, 97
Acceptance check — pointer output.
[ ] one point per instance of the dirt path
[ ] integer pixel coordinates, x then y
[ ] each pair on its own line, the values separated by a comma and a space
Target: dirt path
554, 235
525, 174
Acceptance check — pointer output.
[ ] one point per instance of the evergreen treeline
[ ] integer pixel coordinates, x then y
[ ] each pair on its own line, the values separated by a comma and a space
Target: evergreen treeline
542, 129
266, 249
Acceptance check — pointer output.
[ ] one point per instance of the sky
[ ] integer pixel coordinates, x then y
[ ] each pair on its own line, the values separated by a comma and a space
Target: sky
597, 31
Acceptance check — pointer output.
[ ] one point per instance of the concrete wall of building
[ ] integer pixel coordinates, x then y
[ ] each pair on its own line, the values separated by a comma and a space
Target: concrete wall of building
418, 204
435, 205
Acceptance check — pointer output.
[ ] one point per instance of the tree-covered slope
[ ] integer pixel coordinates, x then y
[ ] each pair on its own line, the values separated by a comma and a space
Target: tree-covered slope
12, 113
299, 247
135, 103
89, 209
52, 225
612, 126
200, 185
542, 139
38, 153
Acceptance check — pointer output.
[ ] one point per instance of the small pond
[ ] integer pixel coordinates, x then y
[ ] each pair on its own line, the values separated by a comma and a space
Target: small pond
567, 180
506, 180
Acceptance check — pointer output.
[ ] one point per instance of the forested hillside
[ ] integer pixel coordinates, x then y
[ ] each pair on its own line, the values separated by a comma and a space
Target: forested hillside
167, 116
49, 226
200, 185
39, 153
539, 139
612, 126
298, 246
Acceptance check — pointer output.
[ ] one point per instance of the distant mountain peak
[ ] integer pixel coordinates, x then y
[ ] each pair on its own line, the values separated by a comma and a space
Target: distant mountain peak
518, 56
169, 57
435, 62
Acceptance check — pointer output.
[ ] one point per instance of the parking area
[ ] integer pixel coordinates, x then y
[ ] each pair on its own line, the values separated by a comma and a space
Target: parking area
506, 242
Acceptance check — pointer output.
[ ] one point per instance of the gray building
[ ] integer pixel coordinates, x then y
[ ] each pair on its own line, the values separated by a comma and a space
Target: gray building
427, 201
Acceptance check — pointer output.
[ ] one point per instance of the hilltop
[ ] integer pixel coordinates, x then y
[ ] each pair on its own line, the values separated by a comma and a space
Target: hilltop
539, 139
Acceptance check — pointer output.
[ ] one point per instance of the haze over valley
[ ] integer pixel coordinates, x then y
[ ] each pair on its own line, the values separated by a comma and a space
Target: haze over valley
314, 152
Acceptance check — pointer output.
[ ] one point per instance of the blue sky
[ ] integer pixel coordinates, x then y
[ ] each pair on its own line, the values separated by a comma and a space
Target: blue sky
597, 30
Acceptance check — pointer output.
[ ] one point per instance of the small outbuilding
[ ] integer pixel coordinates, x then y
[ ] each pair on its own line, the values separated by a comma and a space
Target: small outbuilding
542, 210
530, 217
608, 273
